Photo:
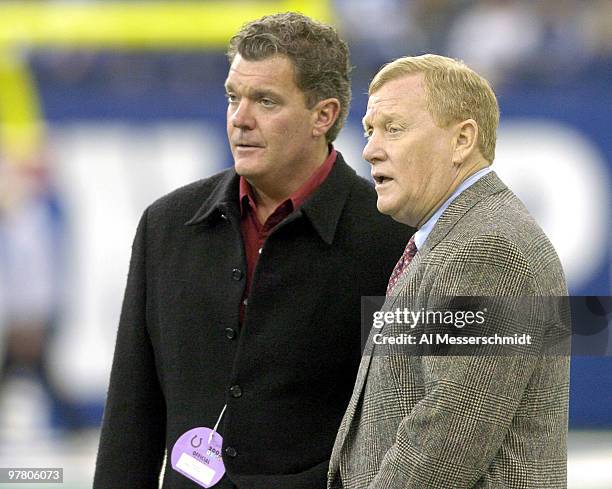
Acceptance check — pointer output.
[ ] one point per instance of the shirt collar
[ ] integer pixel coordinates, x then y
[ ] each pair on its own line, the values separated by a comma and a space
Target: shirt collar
300, 195
323, 208
423, 232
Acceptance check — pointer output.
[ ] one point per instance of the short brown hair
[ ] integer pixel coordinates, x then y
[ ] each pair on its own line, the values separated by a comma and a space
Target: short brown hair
320, 58
453, 92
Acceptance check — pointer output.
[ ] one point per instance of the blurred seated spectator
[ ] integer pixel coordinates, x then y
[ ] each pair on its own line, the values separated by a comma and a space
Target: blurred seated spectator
495, 36
30, 274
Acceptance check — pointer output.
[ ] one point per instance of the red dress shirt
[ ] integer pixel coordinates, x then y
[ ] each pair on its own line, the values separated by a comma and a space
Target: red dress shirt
254, 233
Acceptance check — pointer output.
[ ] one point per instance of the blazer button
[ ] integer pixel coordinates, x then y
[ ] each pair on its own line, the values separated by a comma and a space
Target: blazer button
230, 452
236, 274
230, 333
235, 391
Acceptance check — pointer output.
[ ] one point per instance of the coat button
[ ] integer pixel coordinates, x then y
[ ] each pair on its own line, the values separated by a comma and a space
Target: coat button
230, 452
230, 333
235, 391
236, 274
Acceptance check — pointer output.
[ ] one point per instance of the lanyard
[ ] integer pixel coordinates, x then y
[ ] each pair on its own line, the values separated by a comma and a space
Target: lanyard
214, 430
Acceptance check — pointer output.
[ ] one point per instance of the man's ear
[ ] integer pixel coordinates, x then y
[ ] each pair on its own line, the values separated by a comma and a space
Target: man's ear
466, 141
325, 113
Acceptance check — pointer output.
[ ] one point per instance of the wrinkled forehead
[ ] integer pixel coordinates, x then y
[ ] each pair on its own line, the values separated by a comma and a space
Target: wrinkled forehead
275, 69
381, 108
398, 95
381, 103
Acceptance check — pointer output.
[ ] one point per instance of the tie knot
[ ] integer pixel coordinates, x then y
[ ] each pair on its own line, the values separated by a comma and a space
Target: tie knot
411, 247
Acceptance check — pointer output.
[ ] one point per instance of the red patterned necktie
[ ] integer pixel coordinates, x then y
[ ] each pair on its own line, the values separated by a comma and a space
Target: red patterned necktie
402, 264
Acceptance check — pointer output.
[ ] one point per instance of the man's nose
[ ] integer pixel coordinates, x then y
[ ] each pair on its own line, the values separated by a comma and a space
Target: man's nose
242, 117
373, 150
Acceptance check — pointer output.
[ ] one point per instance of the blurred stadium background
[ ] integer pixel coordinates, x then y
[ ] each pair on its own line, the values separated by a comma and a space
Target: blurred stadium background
105, 106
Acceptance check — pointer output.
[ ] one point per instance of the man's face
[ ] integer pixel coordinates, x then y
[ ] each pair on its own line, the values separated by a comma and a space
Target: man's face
268, 123
411, 156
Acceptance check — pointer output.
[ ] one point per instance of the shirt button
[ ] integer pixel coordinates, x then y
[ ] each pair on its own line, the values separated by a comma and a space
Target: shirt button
236, 274
235, 391
259, 250
245, 302
230, 452
230, 333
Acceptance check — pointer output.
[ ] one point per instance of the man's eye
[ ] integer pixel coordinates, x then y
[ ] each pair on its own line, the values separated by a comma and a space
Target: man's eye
393, 129
231, 98
266, 102
367, 133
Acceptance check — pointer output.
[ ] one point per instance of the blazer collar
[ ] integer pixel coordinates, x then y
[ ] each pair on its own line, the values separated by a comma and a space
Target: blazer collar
488, 185
323, 208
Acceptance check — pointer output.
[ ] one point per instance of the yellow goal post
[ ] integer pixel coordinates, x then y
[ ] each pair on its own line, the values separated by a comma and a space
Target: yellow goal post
116, 25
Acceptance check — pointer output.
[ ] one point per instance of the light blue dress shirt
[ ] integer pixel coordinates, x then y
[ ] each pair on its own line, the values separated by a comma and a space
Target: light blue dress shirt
421, 235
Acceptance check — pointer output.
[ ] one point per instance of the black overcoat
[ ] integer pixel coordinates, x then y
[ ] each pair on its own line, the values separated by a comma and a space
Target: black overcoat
286, 373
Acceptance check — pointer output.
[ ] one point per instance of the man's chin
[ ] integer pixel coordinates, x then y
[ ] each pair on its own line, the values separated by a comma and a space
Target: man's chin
396, 214
247, 167
384, 207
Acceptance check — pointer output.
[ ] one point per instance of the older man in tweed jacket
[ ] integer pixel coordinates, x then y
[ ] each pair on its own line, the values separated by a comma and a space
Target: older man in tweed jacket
481, 420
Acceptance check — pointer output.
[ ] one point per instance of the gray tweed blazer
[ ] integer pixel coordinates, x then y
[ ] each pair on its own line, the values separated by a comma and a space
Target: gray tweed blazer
469, 421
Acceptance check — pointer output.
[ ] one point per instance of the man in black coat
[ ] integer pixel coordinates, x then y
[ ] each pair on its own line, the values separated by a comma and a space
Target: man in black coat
239, 338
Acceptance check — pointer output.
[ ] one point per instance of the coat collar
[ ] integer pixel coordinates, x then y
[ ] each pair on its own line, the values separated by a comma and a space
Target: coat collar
216, 206
323, 208
488, 185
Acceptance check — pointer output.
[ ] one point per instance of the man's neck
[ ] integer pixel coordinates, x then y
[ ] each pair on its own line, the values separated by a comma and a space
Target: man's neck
269, 196
465, 173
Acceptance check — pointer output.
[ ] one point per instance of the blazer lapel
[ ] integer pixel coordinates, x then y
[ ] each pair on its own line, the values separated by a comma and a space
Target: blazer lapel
362, 374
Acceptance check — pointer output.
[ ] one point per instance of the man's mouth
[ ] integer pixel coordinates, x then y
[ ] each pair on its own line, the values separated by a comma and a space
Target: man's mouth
380, 179
247, 145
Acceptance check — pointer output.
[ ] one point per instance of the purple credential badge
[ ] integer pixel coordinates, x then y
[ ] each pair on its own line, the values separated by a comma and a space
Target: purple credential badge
197, 459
